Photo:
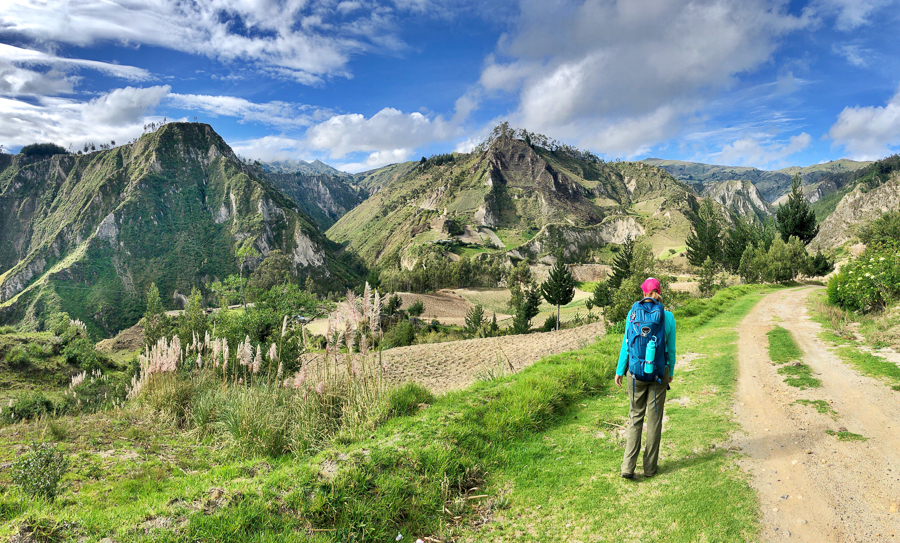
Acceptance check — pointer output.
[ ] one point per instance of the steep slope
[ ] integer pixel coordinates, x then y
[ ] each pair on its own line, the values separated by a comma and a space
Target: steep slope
771, 184
86, 235
316, 167
862, 204
740, 197
516, 199
324, 198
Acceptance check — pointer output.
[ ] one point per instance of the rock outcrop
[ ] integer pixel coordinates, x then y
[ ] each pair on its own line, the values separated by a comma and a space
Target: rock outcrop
856, 208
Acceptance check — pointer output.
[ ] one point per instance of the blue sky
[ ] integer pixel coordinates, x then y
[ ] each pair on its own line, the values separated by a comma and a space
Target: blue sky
362, 83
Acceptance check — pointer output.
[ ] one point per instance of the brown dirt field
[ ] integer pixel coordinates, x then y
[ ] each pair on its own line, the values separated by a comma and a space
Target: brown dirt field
442, 367
130, 339
812, 487
447, 306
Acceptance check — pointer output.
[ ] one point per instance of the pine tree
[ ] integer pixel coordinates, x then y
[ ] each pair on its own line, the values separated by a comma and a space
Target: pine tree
795, 218
559, 288
705, 239
602, 296
153, 316
475, 319
622, 265
526, 310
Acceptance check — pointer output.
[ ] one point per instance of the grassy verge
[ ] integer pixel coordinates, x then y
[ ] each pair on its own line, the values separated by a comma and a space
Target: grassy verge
782, 347
564, 484
864, 362
782, 350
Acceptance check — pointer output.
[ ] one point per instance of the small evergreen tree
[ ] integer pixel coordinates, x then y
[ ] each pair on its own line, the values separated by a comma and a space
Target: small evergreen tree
707, 277
622, 265
416, 308
193, 320
705, 239
475, 319
393, 304
559, 288
153, 316
602, 295
795, 218
526, 310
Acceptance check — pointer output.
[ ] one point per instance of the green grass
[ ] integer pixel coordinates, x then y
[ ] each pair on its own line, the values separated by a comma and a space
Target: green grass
844, 435
782, 347
864, 362
820, 406
564, 484
524, 440
799, 375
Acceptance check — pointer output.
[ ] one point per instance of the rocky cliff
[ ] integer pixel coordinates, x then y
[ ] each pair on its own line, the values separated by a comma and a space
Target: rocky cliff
859, 206
740, 197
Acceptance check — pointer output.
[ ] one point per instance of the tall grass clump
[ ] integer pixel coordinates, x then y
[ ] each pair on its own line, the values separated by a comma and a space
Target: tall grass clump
242, 394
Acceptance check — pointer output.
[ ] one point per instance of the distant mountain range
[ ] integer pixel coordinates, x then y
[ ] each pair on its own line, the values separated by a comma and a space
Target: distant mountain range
772, 185
85, 235
317, 167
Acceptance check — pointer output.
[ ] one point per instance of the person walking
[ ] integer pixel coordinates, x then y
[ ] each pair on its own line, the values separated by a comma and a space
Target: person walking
648, 355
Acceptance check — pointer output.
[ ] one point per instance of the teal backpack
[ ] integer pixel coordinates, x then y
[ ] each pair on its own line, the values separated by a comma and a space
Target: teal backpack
645, 331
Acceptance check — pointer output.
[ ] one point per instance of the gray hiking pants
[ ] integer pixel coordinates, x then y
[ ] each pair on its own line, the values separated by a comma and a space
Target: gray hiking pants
642, 403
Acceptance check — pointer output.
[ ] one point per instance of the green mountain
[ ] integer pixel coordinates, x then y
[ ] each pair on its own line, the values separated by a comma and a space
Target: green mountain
513, 199
317, 167
87, 234
324, 198
772, 185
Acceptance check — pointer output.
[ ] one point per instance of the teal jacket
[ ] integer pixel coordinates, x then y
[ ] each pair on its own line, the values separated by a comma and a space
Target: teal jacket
669, 327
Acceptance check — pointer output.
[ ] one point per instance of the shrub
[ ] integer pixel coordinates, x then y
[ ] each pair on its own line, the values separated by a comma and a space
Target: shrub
549, 324
40, 471
401, 334
17, 357
27, 406
416, 308
406, 399
80, 352
871, 281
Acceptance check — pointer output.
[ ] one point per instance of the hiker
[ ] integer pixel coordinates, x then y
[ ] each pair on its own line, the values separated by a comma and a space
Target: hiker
649, 334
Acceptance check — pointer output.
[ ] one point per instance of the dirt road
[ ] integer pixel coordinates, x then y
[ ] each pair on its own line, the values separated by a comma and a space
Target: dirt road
812, 487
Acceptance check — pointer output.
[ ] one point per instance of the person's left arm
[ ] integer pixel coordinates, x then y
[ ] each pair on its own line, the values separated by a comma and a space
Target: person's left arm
670, 342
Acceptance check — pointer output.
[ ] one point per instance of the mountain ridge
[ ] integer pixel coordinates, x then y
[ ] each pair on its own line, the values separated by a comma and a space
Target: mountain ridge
85, 235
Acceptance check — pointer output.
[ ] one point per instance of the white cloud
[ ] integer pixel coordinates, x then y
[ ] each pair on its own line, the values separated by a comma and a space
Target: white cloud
868, 133
119, 115
388, 131
853, 54
20, 56
15, 80
851, 14
303, 40
761, 151
269, 148
276, 113
377, 160
596, 73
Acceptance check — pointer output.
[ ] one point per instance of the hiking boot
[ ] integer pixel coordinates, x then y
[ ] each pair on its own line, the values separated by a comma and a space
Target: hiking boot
628, 476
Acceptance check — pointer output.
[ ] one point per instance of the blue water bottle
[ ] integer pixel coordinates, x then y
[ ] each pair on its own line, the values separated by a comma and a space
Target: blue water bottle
651, 356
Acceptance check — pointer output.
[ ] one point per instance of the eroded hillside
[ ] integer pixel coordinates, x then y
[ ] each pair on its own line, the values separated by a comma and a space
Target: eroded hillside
515, 199
87, 234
